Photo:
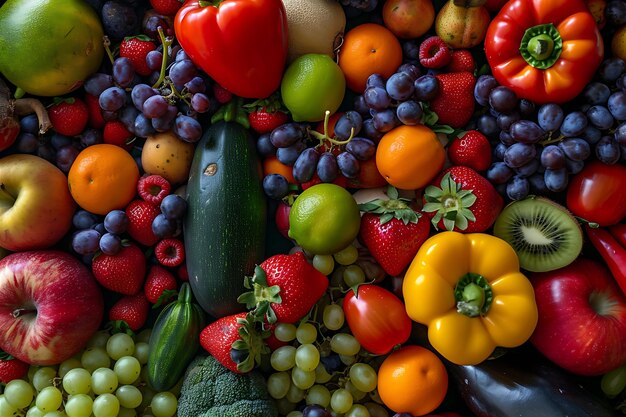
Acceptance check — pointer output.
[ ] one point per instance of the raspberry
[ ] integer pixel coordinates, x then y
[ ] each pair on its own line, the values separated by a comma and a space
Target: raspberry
434, 53
170, 252
153, 188
221, 94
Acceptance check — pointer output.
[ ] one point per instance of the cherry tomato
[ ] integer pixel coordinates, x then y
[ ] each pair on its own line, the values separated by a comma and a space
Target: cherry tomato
598, 193
377, 318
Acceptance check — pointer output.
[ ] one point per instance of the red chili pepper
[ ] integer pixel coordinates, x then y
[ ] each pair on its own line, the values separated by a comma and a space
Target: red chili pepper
612, 251
619, 232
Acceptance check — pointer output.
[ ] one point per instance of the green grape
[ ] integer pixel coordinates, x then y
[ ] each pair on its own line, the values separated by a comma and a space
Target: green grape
301, 378
285, 406
55, 413
129, 396
49, 399
104, 381
347, 359
146, 393
141, 352
120, 344
94, 358
99, 339
79, 405
363, 377
294, 413
340, 401
31, 372
32, 412
321, 374
295, 394
127, 369
6, 409
283, 358
43, 377
307, 357
324, 263
163, 404
19, 393
375, 409
144, 336
318, 394
306, 333
69, 364
353, 275
344, 344
358, 410
77, 381
106, 405
278, 384
285, 332
333, 317
127, 412
357, 394
375, 397
347, 256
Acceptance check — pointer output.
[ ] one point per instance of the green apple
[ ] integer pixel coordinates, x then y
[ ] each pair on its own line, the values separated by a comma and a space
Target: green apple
36, 206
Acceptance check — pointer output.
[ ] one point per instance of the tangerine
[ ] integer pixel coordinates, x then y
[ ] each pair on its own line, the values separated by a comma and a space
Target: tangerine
367, 49
102, 178
412, 380
271, 165
409, 157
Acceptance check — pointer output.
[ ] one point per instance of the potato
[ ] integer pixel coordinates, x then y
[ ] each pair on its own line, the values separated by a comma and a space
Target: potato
166, 155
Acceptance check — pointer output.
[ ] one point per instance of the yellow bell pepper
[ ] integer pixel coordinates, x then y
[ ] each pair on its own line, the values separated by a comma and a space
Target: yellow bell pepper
469, 291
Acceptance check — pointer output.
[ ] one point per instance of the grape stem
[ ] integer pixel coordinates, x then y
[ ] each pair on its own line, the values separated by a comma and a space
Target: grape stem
166, 42
107, 43
325, 137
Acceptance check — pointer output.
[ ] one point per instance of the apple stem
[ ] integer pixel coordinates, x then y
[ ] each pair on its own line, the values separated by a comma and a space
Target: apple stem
22, 311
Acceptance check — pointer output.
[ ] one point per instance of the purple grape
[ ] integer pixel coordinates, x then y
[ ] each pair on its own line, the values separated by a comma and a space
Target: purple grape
385, 120
26, 143
348, 165
529, 168
304, 167
488, 126
518, 187
375, 80
527, 108
575, 148
286, 135
116, 222
620, 134
409, 113
400, 86
154, 60
617, 105
411, 70
327, 168
182, 71
506, 138
99, 227
426, 87
348, 124
596, 93
86, 241
155, 106
264, 145
537, 184
519, 154
592, 134
369, 130
550, 117
275, 186
361, 106
362, 148
289, 155
196, 85
128, 116
503, 99
112, 99
526, 131
173, 207
200, 102
315, 411
574, 167
505, 120
574, 124
611, 68
498, 151
58, 141
123, 71
143, 126
499, 173
83, 219
608, 150
377, 98
556, 179
29, 124
484, 84
615, 12
110, 244
188, 129
65, 157
163, 228
97, 83
181, 55
553, 157
140, 93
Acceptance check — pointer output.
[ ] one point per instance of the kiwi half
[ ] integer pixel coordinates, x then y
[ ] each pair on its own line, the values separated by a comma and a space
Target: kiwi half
544, 234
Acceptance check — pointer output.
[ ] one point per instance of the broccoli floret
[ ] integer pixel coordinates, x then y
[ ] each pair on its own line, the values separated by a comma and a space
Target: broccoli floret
211, 390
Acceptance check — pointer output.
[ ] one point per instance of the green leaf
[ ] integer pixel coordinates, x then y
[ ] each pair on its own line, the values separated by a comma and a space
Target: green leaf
448, 224
445, 129
386, 217
431, 207
259, 276
239, 345
248, 299
392, 192
461, 223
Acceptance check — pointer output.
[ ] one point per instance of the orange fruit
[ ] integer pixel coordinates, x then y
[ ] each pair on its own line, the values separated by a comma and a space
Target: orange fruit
271, 165
102, 178
367, 49
408, 19
412, 380
409, 157
618, 42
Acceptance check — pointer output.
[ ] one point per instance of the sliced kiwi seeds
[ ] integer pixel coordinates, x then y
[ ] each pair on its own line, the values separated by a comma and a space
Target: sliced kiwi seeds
543, 233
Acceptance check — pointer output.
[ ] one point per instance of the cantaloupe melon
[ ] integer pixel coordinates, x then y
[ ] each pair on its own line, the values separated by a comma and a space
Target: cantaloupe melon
315, 26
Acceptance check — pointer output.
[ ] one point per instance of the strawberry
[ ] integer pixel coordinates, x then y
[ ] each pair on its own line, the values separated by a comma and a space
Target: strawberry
69, 116
116, 133
462, 200
96, 120
262, 121
11, 368
234, 341
135, 48
434, 53
462, 60
283, 288
392, 231
131, 309
472, 149
166, 7
455, 102
141, 214
160, 285
123, 272
153, 188
170, 252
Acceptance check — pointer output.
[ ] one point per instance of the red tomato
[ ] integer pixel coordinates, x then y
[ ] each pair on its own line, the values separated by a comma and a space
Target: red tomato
598, 193
377, 318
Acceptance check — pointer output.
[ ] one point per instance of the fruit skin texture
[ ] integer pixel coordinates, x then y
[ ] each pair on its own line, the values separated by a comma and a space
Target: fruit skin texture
263, 121
49, 48
37, 208
455, 102
156, 157
462, 60
140, 215
133, 309
408, 19
471, 150
462, 27
434, 53
218, 337
582, 318
69, 117
50, 305
123, 272
11, 369
158, 280
136, 49
485, 209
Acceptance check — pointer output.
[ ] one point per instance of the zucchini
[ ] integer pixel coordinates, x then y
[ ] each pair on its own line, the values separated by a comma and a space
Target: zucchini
175, 340
225, 225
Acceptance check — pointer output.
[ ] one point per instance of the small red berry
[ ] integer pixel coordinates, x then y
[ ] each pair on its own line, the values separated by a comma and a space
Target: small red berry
160, 283
153, 188
12, 368
115, 133
182, 272
133, 309
221, 94
471, 150
69, 116
434, 53
170, 252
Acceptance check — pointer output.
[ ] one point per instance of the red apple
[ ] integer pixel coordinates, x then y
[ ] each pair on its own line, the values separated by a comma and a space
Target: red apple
36, 206
50, 305
582, 318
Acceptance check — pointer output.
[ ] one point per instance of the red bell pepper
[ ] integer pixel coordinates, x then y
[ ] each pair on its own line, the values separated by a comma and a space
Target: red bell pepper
611, 245
241, 44
545, 51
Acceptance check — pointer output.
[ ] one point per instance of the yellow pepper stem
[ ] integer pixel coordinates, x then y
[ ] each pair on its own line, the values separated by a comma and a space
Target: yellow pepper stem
473, 295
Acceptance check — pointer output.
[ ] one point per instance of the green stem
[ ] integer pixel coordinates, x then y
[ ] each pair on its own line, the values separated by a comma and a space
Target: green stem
107, 45
321, 137
166, 42
473, 294
541, 46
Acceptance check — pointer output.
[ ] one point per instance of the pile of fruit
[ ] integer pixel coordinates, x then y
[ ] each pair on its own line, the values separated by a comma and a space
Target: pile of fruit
312, 208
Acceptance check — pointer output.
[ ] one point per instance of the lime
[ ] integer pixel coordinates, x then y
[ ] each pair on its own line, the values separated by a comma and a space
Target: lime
324, 219
311, 85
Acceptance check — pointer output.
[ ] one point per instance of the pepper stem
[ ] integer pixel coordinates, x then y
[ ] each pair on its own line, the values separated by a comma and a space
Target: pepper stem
541, 46
473, 295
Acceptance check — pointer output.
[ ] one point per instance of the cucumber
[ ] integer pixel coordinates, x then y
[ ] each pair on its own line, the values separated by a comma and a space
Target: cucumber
225, 225
174, 341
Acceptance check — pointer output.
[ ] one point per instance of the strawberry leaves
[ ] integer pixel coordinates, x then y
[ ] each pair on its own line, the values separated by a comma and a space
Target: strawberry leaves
261, 297
450, 203
251, 344
393, 208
